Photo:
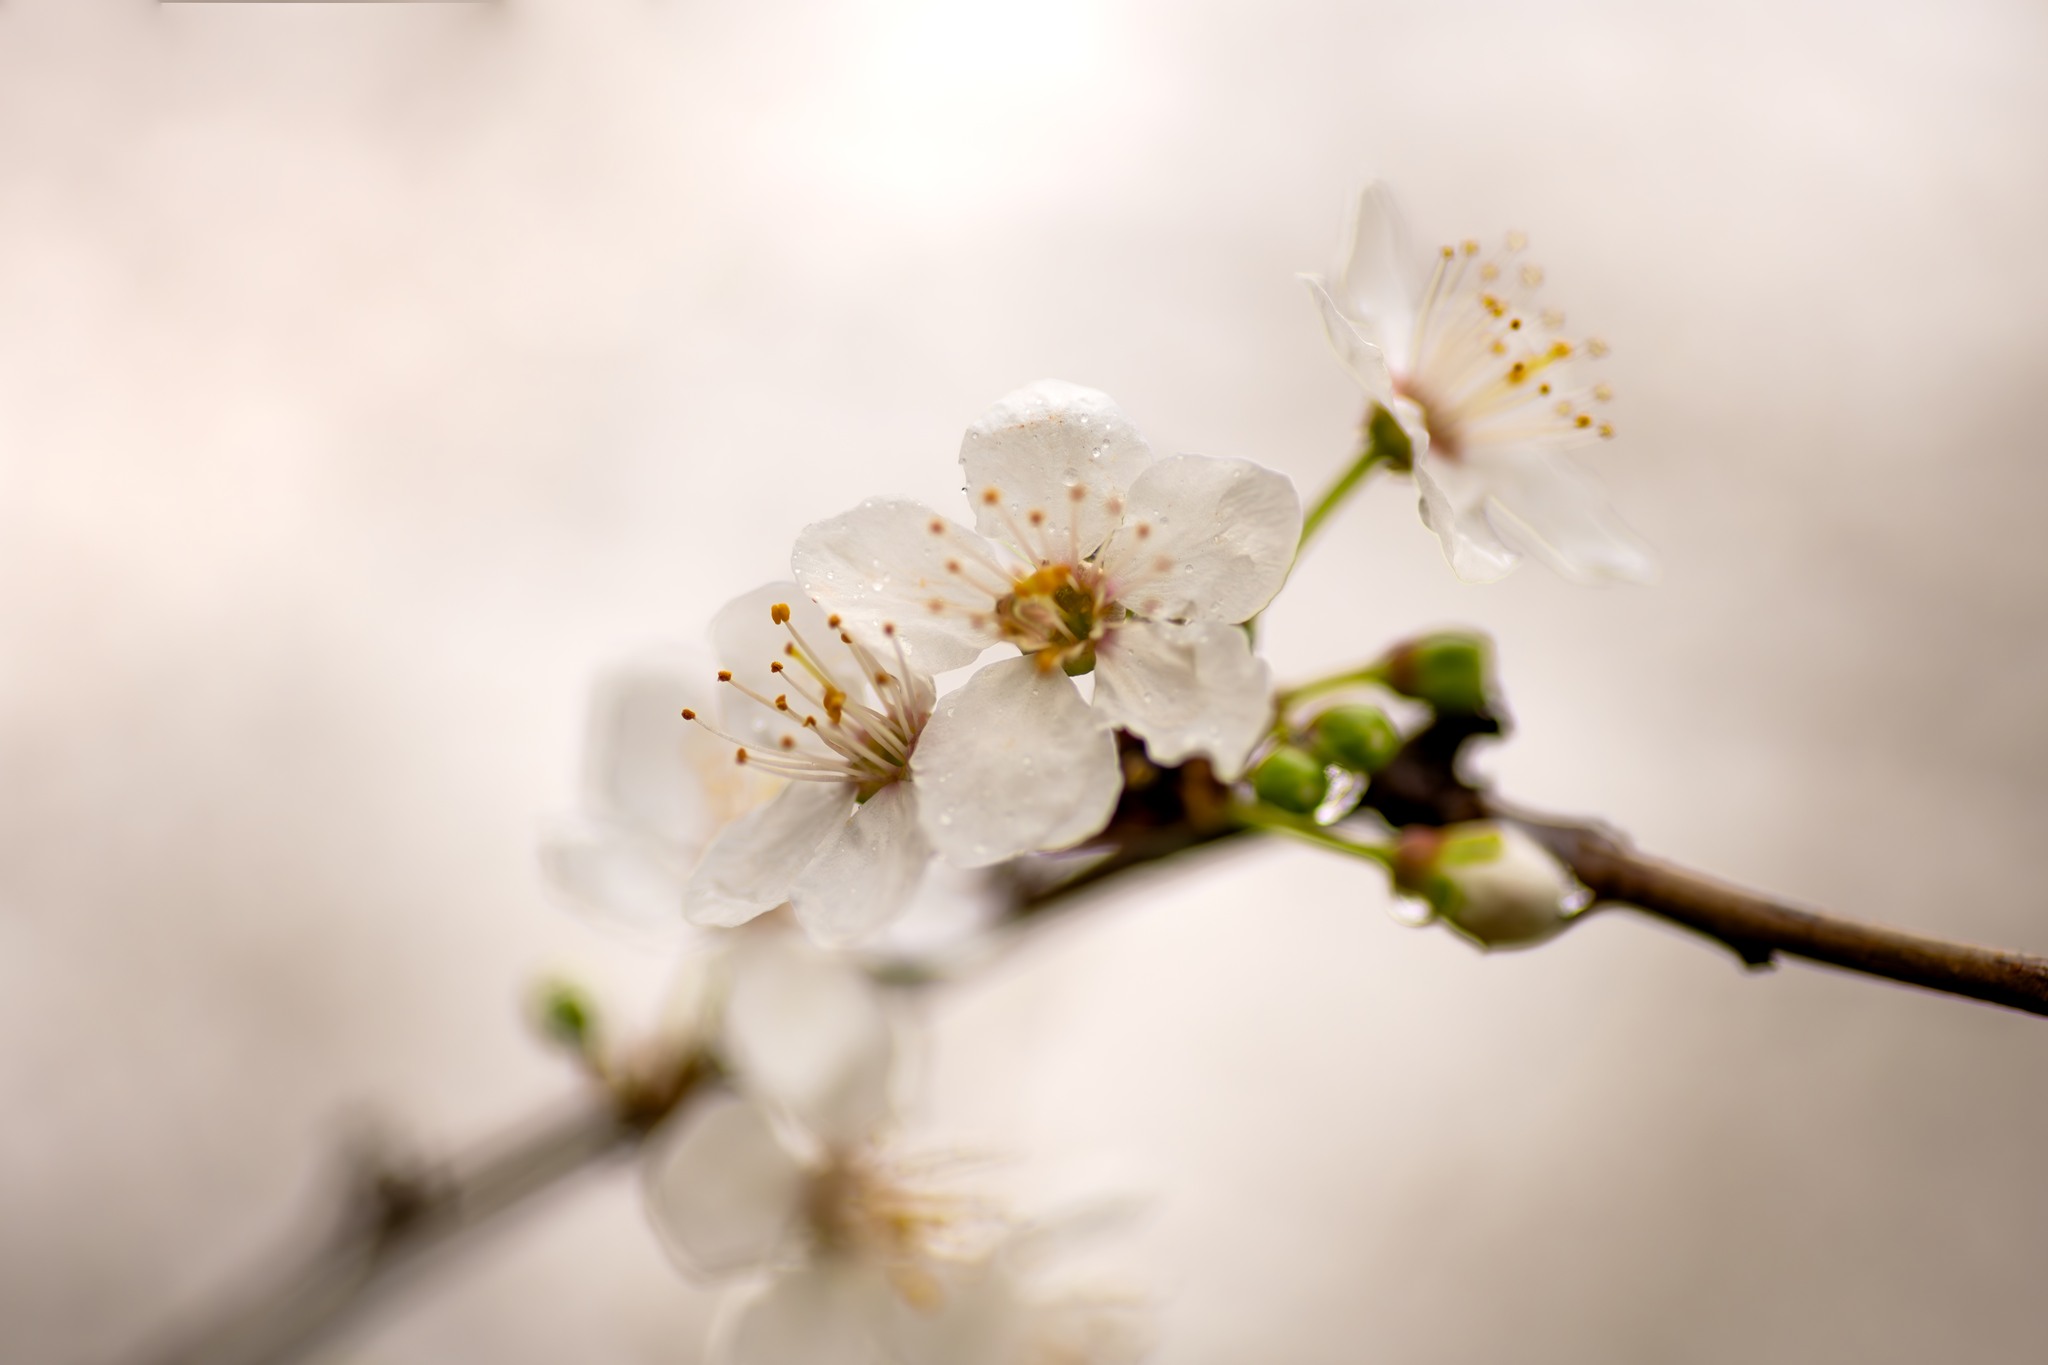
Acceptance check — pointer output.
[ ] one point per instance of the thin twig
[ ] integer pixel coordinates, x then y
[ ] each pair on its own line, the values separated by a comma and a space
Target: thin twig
1757, 928
396, 1216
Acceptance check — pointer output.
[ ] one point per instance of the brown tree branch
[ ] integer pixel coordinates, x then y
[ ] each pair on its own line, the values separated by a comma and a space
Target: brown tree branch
396, 1215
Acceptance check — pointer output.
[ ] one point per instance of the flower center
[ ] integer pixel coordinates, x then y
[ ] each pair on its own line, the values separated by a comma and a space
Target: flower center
1057, 612
828, 733
1489, 366
898, 1214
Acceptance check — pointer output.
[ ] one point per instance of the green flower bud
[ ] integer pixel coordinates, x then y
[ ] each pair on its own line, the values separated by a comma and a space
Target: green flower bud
1450, 670
1491, 882
1357, 737
1292, 779
567, 1015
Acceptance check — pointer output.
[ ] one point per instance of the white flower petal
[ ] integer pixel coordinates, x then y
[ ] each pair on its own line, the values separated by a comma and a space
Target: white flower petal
1011, 762
645, 764
1378, 285
821, 1314
982, 1319
1036, 448
1186, 690
806, 1031
883, 563
723, 1192
1366, 361
1546, 507
751, 866
866, 873
616, 876
1454, 504
1204, 539
748, 640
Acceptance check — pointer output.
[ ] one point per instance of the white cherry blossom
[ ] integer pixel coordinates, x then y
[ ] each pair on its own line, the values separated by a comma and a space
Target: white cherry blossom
794, 1180
1088, 554
1492, 393
881, 773
656, 791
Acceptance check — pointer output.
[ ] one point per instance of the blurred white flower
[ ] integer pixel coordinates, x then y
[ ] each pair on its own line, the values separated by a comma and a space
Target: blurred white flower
1491, 882
791, 1177
881, 772
656, 790
1091, 555
1491, 394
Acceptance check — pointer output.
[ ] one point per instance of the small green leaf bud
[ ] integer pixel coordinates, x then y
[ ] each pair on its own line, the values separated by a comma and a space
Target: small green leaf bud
1357, 737
567, 1015
1292, 779
1492, 882
1450, 670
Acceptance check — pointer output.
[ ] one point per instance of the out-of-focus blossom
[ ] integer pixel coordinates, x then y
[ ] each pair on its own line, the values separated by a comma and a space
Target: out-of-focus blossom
880, 771
1492, 393
1089, 554
791, 1178
1492, 882
656, 790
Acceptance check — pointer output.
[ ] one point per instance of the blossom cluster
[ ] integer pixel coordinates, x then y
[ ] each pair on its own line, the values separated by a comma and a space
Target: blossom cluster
929, 691
1089, 557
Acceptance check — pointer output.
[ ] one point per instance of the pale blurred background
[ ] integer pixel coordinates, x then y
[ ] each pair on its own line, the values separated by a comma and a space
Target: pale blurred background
371, 374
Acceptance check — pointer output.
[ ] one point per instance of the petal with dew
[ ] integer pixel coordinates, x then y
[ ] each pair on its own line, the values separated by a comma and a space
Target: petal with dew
723, 1192
752, 865
1204, 539
807, 1032
1366, 361
1012, 762
821, 1314
1378, 284
1186, 690
1544, 506
891, 562
1047, 468
866, 874
617, 876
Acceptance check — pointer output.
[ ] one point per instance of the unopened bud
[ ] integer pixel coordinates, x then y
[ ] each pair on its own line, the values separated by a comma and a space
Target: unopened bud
1357, 737
1491, 882
1450, 670
1292, 779
567, 1015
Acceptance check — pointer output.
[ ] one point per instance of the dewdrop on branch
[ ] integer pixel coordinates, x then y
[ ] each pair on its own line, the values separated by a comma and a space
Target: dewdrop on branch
1488, 880
1493, 391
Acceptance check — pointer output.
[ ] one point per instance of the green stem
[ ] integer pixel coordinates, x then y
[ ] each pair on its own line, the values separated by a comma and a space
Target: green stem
1375, 672
1384, 443
1272, 821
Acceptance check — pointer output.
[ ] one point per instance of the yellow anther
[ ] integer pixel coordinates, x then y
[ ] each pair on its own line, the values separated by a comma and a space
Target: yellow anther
1607, 431
1532, 276
779, 613
725, 675
1602, 392
1517, 240
1595, 347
